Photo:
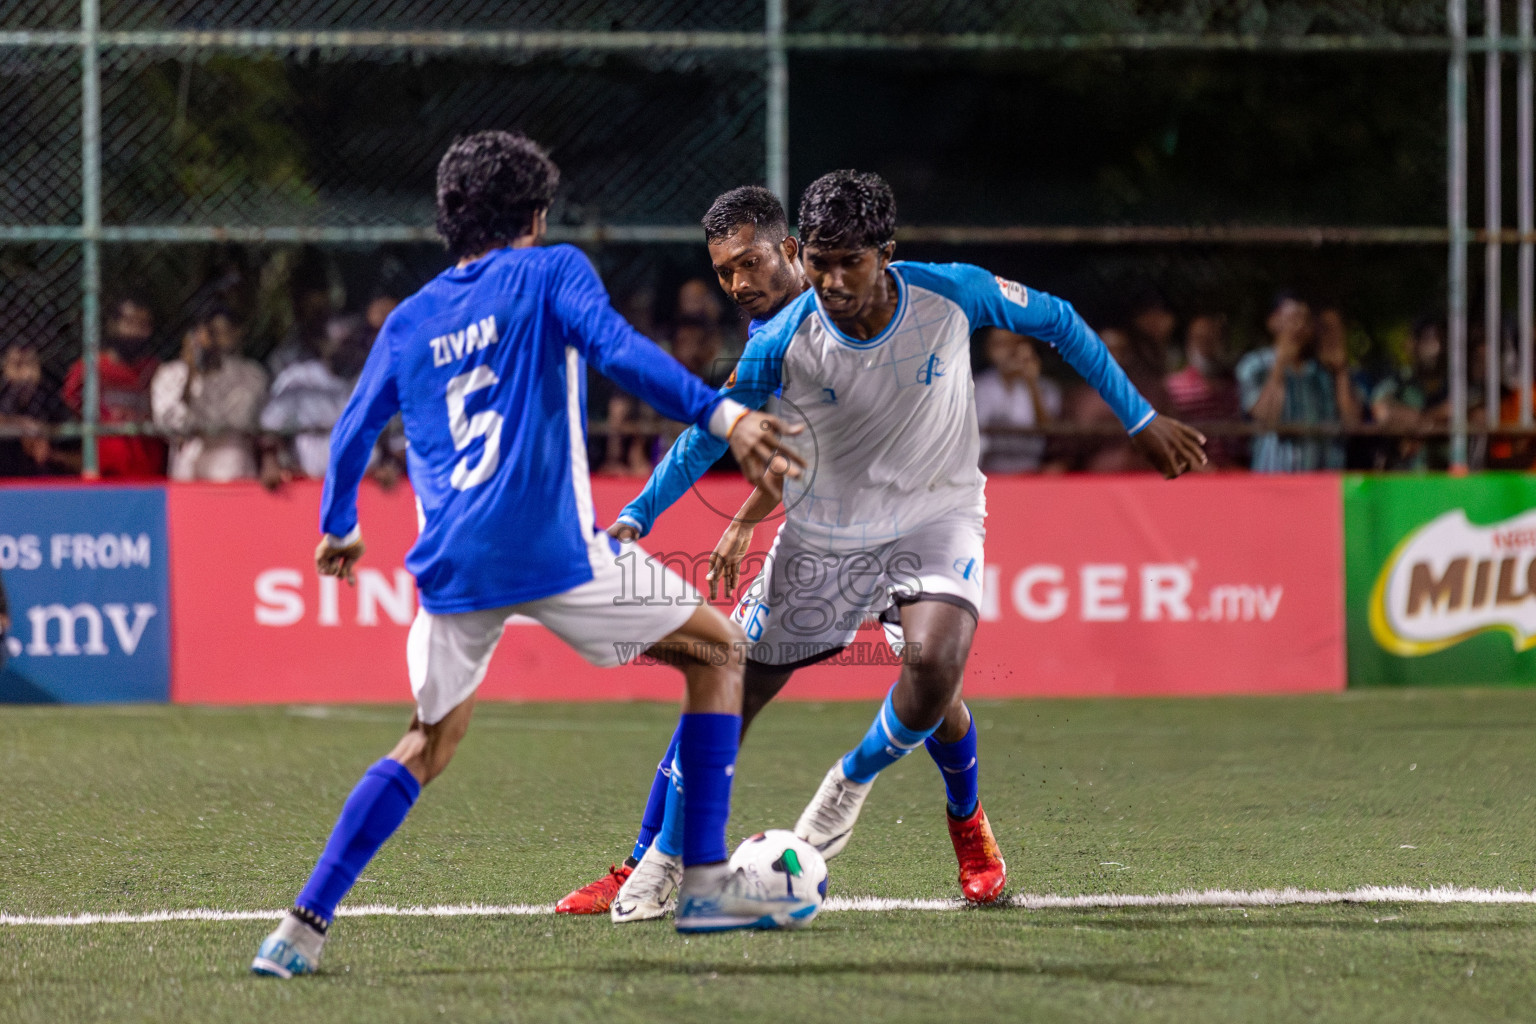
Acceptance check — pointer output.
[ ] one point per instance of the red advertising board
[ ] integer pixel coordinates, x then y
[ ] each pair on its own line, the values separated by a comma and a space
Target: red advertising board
1094, 586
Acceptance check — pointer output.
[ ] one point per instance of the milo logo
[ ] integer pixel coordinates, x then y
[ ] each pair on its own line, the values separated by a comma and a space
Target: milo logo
1451, 579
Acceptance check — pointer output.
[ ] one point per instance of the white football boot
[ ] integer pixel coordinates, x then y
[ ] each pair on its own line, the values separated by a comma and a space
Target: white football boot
648, 892
294, 948
716, 899
827, 821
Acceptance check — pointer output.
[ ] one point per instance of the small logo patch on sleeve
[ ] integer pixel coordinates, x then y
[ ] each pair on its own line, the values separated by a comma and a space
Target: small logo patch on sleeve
1013, 291
730, 381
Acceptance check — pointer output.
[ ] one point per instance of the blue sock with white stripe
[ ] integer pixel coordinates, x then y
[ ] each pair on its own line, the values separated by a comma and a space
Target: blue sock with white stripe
887, 742
374, 809
656, 803
669, 840
962, 775
706, 751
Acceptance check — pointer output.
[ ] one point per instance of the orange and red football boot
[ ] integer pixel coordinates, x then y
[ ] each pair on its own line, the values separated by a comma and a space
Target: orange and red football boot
982, 870
596, 897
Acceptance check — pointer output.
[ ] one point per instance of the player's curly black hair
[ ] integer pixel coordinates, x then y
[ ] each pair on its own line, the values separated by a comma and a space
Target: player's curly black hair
749, 204
489, 187
848, 210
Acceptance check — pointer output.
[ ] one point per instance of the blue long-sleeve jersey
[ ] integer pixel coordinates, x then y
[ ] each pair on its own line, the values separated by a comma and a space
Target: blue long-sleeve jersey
891, 430
486, 365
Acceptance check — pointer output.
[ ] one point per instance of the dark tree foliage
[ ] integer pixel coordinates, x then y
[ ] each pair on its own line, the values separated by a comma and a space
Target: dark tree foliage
1003, 137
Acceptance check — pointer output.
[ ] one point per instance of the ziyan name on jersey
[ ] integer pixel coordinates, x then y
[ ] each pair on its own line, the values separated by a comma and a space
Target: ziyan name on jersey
478, 335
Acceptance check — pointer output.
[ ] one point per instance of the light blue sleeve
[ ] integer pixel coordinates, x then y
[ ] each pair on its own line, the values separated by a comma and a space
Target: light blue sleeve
757, 376
991, 301
373, 404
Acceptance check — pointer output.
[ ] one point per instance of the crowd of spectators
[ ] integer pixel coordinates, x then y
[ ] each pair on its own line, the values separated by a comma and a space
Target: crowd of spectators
1287, 406
213, 412
216, 412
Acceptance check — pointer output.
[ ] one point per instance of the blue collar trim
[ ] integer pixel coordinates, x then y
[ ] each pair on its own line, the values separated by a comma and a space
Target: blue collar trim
890, 328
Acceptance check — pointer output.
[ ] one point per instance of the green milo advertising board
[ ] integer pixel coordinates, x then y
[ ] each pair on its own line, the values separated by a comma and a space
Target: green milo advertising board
1441, 579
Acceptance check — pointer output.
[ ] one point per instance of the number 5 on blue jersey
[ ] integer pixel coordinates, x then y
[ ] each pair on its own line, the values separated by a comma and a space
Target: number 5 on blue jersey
487, 367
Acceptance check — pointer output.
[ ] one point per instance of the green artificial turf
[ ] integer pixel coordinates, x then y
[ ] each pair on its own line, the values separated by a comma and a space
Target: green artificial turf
140, 809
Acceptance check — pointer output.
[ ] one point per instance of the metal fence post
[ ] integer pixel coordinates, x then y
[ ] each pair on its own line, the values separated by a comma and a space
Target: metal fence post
1456, 214
777, 135
1493, 212
90, 217
1527, 213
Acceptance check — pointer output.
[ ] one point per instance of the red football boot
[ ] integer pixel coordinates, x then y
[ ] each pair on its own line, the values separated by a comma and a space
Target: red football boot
982, 871
596, 897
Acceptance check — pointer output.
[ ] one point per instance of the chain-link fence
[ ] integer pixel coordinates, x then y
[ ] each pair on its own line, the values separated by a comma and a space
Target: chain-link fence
182, 149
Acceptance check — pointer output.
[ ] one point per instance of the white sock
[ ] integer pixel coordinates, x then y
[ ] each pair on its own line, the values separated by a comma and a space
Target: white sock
704, 876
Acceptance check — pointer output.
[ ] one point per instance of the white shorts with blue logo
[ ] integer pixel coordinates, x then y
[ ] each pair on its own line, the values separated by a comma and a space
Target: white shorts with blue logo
807, 604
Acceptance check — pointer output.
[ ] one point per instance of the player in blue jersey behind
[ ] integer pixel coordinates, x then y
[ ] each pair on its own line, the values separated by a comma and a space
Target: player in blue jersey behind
888, 519
486, 366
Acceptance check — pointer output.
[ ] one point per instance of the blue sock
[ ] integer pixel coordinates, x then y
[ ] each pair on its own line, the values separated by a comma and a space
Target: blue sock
669, 840
656, 803
375, 808
887, 742
962, 775
706, 751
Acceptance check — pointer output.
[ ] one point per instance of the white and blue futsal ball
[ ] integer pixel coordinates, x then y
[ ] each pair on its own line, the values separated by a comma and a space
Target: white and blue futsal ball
781, 864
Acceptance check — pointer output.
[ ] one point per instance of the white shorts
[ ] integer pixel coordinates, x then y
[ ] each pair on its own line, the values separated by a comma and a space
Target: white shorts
602, 620
807, 604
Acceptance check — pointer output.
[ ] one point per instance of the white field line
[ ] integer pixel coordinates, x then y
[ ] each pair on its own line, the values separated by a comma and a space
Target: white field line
871, 904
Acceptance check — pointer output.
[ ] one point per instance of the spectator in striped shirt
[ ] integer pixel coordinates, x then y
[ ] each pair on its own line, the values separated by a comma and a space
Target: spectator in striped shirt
1204, 391
1297, 381
306, 400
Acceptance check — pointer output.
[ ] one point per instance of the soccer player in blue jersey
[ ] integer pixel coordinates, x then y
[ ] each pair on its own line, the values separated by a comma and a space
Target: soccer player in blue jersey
486, 366
757, 262
875, 359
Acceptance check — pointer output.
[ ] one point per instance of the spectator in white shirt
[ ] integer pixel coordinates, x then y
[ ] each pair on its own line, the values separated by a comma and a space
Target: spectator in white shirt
307, 399
213, 395
312, 310
1012, 393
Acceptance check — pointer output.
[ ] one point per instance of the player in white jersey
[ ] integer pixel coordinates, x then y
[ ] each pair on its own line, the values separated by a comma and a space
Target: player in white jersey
875, 361
758, 265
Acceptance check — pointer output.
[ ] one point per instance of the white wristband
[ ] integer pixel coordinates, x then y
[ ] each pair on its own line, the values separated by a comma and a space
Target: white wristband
350, 539
725, 416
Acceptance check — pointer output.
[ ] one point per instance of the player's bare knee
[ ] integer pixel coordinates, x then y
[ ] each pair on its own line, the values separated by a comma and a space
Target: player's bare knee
435, 755
425, 750
934, 681
713, 689
435, 763
708, 623
411, 752
957, 722
707, 638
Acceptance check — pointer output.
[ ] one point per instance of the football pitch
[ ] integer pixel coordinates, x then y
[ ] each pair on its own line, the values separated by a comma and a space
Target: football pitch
138, 810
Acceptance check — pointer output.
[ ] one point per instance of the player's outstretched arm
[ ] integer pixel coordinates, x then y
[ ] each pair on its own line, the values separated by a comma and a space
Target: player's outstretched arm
756, 441
1172, 447
754, 438
374, 402
991, 301
725, 560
